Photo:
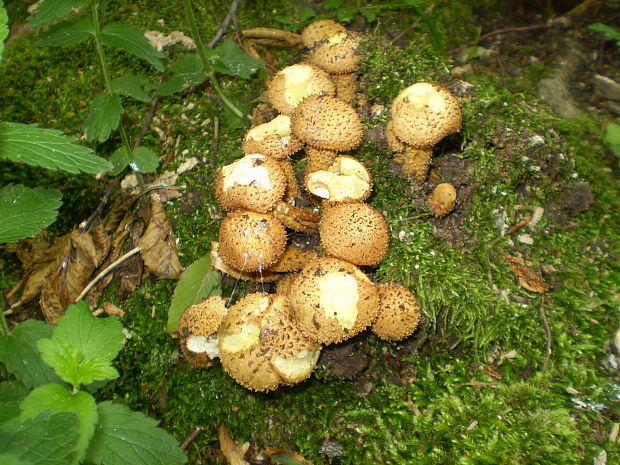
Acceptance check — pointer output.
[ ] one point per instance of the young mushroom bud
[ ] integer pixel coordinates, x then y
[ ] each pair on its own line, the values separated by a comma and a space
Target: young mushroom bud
333, 300
399, 312
355, 232
443, 199
198, 327
254, 182
251, 241
345, 180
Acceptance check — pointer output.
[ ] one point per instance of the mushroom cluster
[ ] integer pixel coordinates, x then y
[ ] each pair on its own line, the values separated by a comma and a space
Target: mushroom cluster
267, 340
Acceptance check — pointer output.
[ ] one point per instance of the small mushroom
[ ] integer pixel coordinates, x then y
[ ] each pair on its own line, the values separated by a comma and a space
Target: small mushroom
333, 300
355, 232
198, 328
399, 312
443, 199
319, 31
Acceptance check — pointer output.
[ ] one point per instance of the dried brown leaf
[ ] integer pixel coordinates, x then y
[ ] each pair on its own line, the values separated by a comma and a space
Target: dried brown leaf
231, 450
278, 455
528, 278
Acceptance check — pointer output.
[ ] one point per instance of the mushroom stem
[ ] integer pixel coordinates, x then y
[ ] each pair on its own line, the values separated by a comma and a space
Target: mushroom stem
346, 86
297, 218
415, 161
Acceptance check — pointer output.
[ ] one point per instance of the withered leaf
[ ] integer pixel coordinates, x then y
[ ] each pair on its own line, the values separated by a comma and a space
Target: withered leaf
159, 250
528, 278
278, 455
231, 450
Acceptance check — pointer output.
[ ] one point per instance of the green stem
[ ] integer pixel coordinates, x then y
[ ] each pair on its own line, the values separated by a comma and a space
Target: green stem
191, 19
4, 327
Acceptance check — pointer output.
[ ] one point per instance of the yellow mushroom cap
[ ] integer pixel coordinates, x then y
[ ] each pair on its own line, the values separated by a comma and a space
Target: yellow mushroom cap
443, 199
327, 123
399, 312
273, 138
254, 182
355, 232
393, 142
320, 30
345, 180
338, 54
198, 327
291, 85
333, 300
251, 241
424, 113
260, 346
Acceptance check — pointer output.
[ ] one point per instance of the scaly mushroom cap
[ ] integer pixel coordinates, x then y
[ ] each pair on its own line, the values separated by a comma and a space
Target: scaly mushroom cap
320, 30
327, 123
346, 180
250, 241
262, 276
198, 327
333, 300
393, 142
338, 54
261, 348
254, 182
291, 85
285, 284
424, 113
399, 312
273, 138
443, 199
355, 232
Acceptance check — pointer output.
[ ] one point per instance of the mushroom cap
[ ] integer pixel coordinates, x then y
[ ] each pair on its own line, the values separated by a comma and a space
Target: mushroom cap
345, 180
393, 142
260, 346
333, 300
254, 182
262, 276
424, 113
320, 30
251, 241
338, 54
443, 199
399, 312
355, 232
198, 327
273, 138
327, 123
285, 284
291, 85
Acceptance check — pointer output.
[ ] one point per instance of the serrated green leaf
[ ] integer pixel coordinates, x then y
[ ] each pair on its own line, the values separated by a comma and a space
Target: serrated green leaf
4, 27
230, 59
67, 33
104, 117
82, 346
47, 439
188, 72
125, 437
131, 40
21, 357
48, 148
52, 9
198, 282
11, 395
133, 86
144, 160
120, 159
26, 211
55, 398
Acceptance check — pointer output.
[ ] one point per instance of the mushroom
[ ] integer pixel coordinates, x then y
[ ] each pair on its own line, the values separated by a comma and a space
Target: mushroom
443, 199
333, 300
399, 312
251, 241
291, 85
320, 30
345, 180
422, 115
261, 348
273, 138
355, 232
198, 328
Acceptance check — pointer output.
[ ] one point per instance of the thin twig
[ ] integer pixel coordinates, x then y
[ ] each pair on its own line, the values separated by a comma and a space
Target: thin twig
104, 201
147, 122
194, 434
413, 24
500, 31
230, 17
547, 333
216, 135
107, 269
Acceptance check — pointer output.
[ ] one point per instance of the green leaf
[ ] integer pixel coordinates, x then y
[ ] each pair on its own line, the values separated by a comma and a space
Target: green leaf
198, 282
306, 14
607, 31
82, 346
4, 27
47, 439
55, 398
144, 160
131, 40
11, 459
104, 117
133, 86
120, 159
124, 437
48, 148
67, 33
230, 59
331, 4
52, 9
188, 72
370, 15
11, 395
26, 211
612, 134
345, 15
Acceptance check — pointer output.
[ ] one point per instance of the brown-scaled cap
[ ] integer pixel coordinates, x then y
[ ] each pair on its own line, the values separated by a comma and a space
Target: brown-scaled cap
321, 30
273, 138
399, 312
338, 54
443, 199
